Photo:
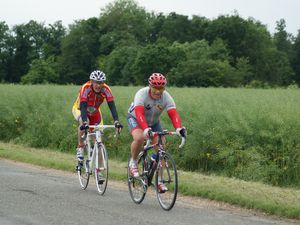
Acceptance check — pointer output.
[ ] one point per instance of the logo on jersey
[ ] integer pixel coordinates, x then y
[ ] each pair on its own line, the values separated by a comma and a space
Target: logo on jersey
148, 107
159, 107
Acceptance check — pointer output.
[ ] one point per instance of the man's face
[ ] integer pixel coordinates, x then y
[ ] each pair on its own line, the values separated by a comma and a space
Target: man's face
97, 85
156, 91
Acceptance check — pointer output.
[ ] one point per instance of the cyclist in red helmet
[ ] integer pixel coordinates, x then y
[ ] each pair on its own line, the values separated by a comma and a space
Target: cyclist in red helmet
144, 114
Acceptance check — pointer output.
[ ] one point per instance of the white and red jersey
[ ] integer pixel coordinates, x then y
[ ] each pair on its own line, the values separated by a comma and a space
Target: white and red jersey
153, 108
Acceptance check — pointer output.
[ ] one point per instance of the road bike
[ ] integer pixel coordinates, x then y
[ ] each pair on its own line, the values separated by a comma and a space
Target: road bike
164, 169
95, 158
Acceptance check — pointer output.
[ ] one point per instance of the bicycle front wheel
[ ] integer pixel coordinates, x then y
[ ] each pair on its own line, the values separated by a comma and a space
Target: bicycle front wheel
101, 173
138, 186
166, 174
83, 170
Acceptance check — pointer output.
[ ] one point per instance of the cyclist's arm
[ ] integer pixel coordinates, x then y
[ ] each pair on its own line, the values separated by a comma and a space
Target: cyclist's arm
175, 118
83, 111
140, 116
113, 110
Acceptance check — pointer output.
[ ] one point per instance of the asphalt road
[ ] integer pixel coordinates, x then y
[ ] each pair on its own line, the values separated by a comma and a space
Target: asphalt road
31, 195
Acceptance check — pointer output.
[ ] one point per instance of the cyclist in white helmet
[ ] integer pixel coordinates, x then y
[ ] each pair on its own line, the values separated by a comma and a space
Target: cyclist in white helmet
86, 108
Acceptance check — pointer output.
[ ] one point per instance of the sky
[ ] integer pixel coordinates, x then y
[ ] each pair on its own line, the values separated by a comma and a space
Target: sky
15, 12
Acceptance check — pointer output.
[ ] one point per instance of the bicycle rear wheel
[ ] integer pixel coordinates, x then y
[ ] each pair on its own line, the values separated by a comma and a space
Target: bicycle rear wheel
101, 173
167, 174
138, 186
83, 170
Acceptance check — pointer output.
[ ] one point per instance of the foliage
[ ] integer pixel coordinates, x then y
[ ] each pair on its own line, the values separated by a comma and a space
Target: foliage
42, 71
296, 58
79, 52
119, 65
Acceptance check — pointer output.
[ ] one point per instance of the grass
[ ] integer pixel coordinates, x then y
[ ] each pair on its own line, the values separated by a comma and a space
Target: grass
284, 202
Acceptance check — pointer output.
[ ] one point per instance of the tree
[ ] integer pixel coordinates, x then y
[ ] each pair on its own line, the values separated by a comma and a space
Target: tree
28, 41
52, 43
153, 58
6, 52
119, 65
244, 71
79, 51
176, 28
282, 39
199, 26
41, 71
203, 65
205, 73
275, 68
296, 58
114, 40
123, 19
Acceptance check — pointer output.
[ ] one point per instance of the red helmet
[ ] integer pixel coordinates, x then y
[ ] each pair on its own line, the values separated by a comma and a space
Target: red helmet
157, 79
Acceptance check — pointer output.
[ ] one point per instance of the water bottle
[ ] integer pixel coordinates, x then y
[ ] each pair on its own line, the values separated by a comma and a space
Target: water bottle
153, 160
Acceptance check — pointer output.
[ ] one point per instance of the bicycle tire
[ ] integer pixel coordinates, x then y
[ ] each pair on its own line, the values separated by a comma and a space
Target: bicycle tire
166, 168
102, 171
138, 186
83, 170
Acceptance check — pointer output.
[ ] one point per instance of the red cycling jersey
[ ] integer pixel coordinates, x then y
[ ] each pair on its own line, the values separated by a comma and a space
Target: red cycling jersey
94, 100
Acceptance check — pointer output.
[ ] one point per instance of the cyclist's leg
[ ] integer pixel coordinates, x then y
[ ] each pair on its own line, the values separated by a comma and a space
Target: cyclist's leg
77, 116
80, 144
95, 119
136, 144
158, 128
137, 135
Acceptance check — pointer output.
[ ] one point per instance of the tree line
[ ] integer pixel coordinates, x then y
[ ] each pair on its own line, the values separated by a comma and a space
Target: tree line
128, 43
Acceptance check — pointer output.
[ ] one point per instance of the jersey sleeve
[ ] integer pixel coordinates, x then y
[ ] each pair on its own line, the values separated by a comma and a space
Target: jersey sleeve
83, 93
175, 118
139, 109
140, 116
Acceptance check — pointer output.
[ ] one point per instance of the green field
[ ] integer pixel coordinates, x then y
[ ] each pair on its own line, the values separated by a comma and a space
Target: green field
250, 134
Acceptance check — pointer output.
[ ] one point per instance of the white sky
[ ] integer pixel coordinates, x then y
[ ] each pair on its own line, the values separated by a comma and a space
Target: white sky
15, 12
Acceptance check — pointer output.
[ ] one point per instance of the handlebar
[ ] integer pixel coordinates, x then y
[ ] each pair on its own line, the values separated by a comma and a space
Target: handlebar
99, 126
96, 128
164, 133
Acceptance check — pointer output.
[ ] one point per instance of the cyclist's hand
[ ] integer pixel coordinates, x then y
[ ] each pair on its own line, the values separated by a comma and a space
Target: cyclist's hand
181, 131
148, 132
118, 126
84, 126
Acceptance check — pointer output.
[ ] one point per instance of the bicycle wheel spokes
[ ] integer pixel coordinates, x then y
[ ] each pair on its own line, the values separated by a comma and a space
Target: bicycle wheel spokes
167, 174
101, 173
138, 186
83, 171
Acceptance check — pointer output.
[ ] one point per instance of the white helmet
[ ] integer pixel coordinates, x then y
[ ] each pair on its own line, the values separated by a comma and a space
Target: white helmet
97, 75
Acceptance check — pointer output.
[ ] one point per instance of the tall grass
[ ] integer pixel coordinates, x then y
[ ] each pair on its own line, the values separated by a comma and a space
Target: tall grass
251, 134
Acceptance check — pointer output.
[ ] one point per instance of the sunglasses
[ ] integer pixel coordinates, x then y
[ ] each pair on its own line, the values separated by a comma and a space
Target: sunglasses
98, 82
158, 88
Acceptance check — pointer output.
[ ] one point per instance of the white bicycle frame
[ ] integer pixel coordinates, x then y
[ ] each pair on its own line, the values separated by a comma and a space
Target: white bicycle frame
96, 136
